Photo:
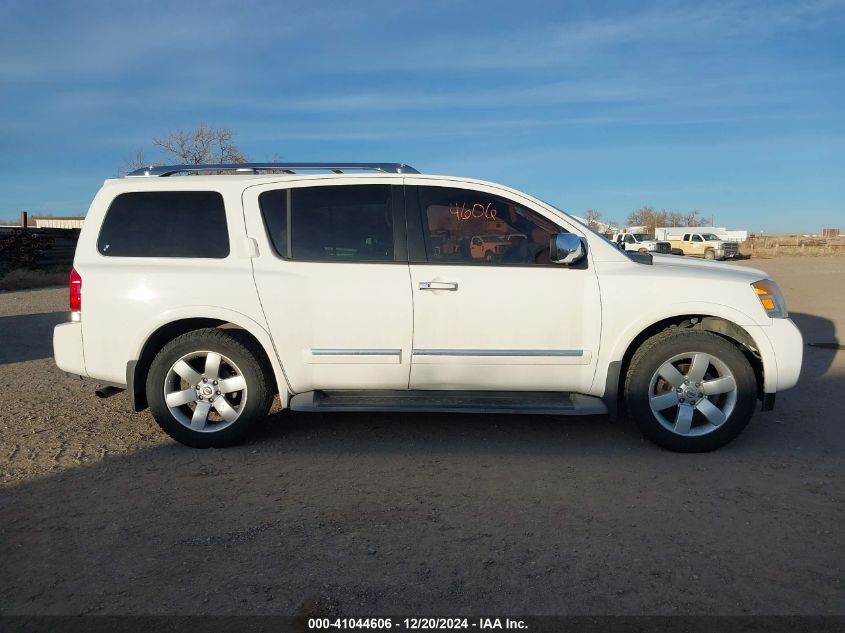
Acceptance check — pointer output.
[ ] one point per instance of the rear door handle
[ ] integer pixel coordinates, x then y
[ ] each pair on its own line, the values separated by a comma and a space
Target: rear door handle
439, 285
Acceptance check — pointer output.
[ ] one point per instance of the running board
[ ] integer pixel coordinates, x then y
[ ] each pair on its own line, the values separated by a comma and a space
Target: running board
543, 402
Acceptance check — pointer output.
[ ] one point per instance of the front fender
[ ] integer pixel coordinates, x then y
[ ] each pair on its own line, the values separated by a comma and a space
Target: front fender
613, 351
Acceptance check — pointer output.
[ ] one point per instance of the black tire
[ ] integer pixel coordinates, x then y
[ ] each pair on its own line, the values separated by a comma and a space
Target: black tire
248, 357
660, 348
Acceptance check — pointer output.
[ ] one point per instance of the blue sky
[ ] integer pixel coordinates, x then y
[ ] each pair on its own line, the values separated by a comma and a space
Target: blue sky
735, 109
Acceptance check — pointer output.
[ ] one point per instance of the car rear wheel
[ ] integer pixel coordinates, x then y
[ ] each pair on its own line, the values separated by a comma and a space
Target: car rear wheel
690, 391
206, 388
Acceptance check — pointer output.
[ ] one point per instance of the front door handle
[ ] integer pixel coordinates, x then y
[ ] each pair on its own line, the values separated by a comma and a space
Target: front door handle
439, 285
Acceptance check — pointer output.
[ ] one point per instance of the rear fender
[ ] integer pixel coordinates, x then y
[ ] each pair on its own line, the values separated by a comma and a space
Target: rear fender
213, 313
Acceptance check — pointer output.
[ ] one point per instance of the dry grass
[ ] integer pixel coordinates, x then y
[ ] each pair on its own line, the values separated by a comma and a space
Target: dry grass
22, 279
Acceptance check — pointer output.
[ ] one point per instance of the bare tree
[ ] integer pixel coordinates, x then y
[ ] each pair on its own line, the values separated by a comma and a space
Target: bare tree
648, 217
651, 218
694, 218
612, 227
203, 144
674, 218
592, 216
136, 161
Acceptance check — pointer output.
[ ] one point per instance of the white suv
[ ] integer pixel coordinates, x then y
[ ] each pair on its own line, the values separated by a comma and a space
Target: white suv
203, 291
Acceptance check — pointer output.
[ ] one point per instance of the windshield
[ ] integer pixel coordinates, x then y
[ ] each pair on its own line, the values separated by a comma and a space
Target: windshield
710, 237
642, 237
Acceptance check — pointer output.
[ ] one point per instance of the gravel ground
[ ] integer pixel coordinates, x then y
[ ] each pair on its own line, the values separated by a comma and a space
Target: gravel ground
418, 514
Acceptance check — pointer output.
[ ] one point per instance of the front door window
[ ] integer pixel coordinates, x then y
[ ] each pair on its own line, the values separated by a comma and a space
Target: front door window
470, 227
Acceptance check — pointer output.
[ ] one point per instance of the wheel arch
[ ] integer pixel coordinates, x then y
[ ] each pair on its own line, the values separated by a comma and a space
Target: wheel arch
724, 327
168, 329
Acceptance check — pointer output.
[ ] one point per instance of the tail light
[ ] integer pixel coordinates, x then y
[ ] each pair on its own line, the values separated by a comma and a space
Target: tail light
75, 287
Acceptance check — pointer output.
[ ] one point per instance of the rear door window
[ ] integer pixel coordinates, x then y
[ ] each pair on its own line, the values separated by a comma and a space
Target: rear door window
165, 224
333, 223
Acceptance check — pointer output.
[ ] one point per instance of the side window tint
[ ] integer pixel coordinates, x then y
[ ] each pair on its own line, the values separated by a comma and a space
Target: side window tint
341, 223
165, 224
466, 226
696, 238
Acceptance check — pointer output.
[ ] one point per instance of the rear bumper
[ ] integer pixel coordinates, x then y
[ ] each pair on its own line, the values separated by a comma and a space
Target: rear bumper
67, 348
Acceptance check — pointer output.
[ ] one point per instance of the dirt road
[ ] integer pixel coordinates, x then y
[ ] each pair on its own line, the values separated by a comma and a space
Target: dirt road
419, 514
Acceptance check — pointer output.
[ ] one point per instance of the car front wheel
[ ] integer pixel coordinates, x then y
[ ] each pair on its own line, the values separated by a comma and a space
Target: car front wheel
690, 391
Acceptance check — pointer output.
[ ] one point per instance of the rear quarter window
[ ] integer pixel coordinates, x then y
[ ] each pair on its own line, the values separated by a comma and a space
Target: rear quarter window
165, 224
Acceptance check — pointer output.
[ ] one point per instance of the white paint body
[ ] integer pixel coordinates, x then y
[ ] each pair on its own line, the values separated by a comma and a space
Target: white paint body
308, 315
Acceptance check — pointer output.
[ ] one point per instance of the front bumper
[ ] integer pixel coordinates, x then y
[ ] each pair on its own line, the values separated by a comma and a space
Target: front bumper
781, 348
67, 348
789, 350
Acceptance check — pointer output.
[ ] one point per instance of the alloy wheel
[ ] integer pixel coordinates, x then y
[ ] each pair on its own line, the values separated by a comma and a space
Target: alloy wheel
205, 391
692, 394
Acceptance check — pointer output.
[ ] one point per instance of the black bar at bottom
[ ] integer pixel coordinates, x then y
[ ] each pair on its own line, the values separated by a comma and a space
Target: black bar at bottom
524, 624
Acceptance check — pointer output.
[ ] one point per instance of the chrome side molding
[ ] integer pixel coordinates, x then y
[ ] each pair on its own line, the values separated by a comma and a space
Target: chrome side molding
498, 352
356, 352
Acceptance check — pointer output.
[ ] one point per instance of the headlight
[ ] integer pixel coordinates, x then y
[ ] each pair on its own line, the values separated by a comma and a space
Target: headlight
770, 298
651, 246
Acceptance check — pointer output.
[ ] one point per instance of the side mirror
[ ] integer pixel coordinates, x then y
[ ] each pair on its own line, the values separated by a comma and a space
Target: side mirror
567, 249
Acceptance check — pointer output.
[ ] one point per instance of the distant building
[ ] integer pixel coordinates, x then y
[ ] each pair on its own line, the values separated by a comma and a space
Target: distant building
49, 221
733, 235
54, 222
729, 235
828, 233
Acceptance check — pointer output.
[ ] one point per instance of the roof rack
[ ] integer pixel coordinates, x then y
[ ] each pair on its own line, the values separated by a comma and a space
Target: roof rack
286, 168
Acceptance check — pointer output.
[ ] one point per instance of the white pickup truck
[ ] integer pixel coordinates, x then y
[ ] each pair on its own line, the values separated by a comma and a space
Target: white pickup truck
703, 244
203, 291
641, 243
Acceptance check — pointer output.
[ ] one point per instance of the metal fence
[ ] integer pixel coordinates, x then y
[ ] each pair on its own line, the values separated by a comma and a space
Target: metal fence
794, 246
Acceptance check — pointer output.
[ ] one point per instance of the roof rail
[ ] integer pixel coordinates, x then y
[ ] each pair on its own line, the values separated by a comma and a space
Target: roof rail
287, 168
